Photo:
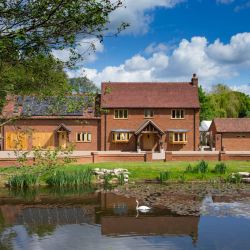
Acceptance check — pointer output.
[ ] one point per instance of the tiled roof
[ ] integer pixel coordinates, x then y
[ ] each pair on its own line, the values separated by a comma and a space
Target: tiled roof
149, 95
232, 124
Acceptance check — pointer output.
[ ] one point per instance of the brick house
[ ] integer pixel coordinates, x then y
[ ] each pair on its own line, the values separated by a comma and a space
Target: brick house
150, 116
230, 134
135, 116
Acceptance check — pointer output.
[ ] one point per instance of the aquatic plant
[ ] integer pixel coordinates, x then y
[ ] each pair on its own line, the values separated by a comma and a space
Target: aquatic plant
220, 168
201, 168
23, 181
189, 169
70, 179
234, 178
121, 179
164, 176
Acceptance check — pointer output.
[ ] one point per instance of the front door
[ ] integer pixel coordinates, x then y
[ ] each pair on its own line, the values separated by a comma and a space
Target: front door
148, 141
62, 136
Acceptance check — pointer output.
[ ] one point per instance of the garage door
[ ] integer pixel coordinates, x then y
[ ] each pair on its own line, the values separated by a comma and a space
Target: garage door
16, 141
43, 140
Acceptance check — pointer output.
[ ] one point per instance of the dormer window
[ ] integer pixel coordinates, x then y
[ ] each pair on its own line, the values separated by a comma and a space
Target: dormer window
148, 113
177, 114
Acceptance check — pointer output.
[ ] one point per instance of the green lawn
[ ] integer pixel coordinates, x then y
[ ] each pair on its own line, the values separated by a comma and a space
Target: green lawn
142, 171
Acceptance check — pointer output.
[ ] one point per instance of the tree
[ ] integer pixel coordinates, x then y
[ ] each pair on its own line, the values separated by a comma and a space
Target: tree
83, 85
206, 112
31, 29
35, 26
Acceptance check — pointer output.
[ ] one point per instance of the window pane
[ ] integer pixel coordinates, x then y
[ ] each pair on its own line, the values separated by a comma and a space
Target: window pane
83, 136
118, 136
176, 137
173, 113
116, 113
181, 137
120, 113
182, 113
125, 113
113, 136
178, 113
89, 137
151, 113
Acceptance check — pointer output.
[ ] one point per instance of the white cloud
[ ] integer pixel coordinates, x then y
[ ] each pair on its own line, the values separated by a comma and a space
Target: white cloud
136, 13
87, 48
154, 47
237, 51
242, 88
213, 62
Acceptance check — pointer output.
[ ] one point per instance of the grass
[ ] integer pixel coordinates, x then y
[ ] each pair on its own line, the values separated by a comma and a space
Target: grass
147, 170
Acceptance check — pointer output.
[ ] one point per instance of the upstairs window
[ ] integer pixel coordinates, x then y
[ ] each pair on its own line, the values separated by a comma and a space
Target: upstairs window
121, 136
148, 113
177, 114
83, 137
178, 138
121, 114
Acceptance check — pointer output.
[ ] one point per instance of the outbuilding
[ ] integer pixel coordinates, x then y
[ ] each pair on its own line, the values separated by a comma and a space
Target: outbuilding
230, 134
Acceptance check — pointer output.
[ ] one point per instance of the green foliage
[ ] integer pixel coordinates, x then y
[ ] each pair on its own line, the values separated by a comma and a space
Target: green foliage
189, 169
164, 176
234, 178
121, 179
201, 168
71, 179
83, 85
23, 181
223, 102
220, 168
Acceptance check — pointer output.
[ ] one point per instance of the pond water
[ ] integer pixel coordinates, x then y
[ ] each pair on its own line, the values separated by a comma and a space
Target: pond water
90, 219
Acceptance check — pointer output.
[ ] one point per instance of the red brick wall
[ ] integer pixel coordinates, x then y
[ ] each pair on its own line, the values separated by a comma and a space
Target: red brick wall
162, 117
49, 125
236, 141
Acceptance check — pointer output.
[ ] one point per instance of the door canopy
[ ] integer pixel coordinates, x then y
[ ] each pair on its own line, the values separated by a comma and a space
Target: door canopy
149, 127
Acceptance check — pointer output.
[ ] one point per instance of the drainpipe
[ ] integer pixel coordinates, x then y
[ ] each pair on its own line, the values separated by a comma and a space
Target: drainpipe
105, 132
194, 131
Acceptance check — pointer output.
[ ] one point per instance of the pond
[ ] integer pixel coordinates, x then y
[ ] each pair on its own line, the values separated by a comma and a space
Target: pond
95, 219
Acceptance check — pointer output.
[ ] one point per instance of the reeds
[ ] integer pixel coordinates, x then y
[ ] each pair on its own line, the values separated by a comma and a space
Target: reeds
23, 181
70, 179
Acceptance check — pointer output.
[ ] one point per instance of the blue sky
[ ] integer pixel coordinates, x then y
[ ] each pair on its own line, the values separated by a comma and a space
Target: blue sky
168, 40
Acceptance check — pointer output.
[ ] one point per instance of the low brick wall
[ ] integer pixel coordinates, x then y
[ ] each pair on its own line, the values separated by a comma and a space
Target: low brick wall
118, 157
191, 156
96, 157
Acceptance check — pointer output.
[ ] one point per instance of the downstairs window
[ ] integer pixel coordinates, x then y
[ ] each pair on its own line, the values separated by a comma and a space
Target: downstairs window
121, 136
178, 137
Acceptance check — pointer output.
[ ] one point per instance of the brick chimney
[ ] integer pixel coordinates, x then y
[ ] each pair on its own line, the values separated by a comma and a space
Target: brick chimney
194, 80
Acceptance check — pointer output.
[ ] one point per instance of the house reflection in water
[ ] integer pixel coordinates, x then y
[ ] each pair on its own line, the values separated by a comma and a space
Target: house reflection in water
119, 217
116, 214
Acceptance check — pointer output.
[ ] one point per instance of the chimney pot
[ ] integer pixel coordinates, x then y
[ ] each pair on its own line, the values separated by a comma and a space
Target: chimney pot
194, 80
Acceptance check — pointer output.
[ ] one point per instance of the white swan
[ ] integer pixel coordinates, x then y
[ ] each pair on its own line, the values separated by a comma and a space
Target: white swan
143, 209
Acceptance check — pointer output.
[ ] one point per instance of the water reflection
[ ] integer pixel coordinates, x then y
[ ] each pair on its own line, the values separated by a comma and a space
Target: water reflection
99, 220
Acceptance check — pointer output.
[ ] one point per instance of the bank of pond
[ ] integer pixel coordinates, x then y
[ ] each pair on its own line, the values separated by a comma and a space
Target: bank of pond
75, 176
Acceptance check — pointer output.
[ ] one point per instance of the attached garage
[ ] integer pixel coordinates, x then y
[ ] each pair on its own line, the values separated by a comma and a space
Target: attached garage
43, 140
16, 141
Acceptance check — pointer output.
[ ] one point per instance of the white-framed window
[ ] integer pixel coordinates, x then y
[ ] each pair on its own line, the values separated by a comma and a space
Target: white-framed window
177, 114
178, 137
148, 113
121, 114
83, 137
121, 136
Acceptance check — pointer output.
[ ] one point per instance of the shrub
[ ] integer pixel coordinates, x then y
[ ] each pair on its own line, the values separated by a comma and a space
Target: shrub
164, 176
220, 168
23, 181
